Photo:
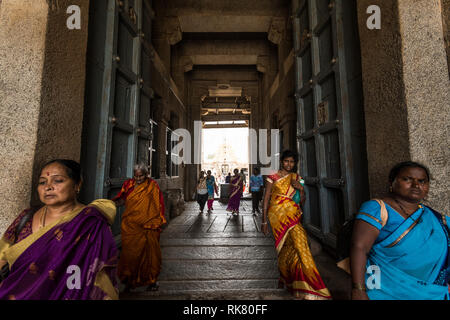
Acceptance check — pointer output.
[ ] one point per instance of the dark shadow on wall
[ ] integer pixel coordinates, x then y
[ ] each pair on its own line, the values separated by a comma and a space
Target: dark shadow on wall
62, 91
445, 5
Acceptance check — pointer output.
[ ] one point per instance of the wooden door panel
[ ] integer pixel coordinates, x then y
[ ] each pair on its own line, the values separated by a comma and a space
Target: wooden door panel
120, 145
325, 133
125, 43
122, 101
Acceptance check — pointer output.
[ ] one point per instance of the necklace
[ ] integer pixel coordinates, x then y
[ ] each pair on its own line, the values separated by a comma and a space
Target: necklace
44, 216
401, 207
42, 220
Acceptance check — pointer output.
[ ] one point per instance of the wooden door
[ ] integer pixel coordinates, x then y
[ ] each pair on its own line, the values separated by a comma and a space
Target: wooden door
330, 134
118, 128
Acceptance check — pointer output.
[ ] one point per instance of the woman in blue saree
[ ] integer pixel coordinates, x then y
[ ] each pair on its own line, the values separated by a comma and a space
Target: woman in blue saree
400, 247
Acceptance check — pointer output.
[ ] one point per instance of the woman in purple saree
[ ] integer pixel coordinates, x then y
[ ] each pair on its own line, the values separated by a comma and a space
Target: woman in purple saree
66, 251
235, 192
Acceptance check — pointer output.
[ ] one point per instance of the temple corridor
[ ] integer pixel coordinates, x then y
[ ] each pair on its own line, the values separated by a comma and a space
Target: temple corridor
219, 256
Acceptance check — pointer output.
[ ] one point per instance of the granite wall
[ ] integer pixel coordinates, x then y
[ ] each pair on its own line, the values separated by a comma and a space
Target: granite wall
427, 92
22, 44
63, 86
41, 94
406, 92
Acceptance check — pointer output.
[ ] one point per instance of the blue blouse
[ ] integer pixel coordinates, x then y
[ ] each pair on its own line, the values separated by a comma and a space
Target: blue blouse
370, 212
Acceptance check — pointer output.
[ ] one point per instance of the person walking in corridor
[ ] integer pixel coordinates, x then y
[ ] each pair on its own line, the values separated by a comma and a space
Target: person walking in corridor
282, 208
140, 258
256, 186
202, 191
235, 193
212, 189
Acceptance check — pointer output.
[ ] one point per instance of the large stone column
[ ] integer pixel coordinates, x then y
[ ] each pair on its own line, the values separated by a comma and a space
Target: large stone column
427, 92
41, 94
22, 43
406, 92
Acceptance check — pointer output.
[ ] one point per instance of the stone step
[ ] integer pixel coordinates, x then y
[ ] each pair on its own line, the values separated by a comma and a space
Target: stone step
218, 269
237, 294
194, 235
220, 285
222, 241
218, 252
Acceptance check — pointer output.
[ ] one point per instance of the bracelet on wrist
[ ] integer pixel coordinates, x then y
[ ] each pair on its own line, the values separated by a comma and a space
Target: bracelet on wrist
263, 222
358, 286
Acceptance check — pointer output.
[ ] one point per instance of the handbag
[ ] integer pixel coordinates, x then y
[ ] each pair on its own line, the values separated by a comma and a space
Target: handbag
4, 272
345, 237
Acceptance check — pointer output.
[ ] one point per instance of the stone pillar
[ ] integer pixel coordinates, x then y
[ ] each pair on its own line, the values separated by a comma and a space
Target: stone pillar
406, 92
63, 86
166, 33
42, 94
22, 44
427, 92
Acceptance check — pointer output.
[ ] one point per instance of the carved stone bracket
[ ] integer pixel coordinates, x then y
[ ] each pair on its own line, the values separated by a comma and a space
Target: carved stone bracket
262, 63
173, 30
276, 30
186, 63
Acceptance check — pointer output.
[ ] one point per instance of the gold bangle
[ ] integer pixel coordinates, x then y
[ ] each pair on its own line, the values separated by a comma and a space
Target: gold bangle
358, 286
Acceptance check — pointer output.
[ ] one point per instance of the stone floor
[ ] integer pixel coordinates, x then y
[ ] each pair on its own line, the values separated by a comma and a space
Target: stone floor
220, 256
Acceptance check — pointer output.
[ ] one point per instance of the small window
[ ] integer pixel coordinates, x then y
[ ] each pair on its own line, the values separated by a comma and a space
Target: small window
172, 159
154, 161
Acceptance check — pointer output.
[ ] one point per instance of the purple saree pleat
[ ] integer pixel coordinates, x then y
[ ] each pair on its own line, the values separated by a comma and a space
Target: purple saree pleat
64, 262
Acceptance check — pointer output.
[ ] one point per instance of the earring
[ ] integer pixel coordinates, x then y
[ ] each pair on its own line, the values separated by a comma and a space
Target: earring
390, 189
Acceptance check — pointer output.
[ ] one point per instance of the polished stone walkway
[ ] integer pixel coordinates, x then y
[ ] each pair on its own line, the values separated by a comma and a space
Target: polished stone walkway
220, 256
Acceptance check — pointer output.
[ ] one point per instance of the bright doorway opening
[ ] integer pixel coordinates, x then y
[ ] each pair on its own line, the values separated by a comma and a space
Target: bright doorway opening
225, 149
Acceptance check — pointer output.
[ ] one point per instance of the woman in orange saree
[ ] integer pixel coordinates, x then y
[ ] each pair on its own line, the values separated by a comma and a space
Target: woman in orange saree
282, 208
140, 257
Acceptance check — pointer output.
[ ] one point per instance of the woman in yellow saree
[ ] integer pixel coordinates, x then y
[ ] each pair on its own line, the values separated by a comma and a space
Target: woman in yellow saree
298, 271
140, 257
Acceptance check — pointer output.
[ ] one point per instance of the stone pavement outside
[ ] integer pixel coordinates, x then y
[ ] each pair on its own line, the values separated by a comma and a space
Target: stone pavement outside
220, 256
